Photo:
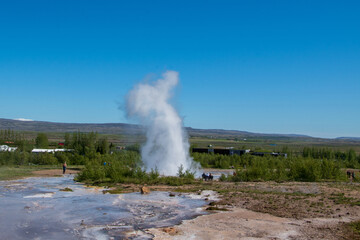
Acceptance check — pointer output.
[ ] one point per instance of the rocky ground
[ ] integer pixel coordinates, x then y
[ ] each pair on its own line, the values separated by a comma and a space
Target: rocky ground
269, 210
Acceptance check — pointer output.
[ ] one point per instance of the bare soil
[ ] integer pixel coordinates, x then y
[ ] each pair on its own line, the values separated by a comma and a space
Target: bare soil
53, 172
269, 210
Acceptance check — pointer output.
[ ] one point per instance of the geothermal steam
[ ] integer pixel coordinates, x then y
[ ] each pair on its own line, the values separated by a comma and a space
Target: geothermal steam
166, 147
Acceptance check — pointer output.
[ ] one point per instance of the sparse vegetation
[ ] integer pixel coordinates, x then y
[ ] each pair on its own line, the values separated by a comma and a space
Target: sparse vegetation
356, 227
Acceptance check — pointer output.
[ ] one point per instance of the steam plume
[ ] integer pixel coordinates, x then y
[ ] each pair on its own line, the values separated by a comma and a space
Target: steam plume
167, 147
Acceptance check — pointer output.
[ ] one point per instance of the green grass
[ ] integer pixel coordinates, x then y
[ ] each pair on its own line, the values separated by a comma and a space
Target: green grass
16, 172
267, 144
9, 173
340, 198
355, 226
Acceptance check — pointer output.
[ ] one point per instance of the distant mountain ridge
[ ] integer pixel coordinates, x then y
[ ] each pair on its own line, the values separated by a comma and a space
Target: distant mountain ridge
131, 129
42, 126
349, 138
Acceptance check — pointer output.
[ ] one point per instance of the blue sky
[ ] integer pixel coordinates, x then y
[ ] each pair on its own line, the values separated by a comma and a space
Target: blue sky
259, 66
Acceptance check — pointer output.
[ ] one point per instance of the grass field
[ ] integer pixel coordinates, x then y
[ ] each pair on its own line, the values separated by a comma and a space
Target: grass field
276, 145
16, 172
9, 172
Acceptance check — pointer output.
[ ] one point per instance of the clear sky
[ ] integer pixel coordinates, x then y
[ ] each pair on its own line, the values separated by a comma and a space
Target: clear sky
260, 66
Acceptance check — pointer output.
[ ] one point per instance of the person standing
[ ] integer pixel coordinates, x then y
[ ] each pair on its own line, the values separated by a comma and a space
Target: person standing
64, 167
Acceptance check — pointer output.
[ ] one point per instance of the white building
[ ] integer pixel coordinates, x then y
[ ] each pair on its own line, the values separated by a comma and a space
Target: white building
6, 148
40, 150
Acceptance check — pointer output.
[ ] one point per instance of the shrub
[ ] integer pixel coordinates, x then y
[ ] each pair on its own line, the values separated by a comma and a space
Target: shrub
154, 174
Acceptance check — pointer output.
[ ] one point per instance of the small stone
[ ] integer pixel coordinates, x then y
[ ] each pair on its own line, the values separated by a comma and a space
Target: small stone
171, 231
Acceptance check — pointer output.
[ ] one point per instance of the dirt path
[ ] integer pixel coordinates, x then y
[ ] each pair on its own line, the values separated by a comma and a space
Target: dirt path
53, 172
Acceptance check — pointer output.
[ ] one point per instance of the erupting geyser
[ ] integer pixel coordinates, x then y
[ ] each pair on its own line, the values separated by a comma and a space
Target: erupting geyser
167, 146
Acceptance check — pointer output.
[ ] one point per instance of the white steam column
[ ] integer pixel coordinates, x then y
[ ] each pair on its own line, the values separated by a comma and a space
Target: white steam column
167, 146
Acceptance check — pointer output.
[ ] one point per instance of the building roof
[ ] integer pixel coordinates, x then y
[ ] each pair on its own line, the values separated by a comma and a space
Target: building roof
41, 150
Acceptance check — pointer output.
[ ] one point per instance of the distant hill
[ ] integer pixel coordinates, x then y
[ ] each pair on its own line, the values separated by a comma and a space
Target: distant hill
239, 134
132, 129
349, 138
39, 126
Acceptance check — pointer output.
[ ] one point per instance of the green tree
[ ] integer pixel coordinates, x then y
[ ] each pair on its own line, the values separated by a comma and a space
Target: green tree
103, 146
351, 157
67, 142
41, 141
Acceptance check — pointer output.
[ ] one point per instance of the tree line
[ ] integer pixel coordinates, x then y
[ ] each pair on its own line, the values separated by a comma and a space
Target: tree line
102, 163
83, 146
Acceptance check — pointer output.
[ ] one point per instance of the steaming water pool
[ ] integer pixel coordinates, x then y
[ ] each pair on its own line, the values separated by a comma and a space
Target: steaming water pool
35, 208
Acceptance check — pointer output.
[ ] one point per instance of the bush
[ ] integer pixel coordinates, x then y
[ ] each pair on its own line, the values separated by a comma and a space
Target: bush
307, 169
224, 178
126, 167
188, 174
154, 174
295, 168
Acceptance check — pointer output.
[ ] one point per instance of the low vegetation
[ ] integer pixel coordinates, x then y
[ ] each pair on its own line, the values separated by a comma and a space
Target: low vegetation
355, 227
291, 169
313, 165
66, 189
126, 167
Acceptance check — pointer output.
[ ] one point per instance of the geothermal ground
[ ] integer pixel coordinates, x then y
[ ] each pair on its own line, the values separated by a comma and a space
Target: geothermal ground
59, 208
268, 210
261, 210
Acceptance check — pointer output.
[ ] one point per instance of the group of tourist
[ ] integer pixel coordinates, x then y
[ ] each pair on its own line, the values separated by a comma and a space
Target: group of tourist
207, 176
